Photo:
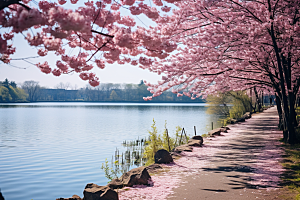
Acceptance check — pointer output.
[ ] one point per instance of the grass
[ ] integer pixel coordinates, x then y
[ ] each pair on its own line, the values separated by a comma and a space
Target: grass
291, 177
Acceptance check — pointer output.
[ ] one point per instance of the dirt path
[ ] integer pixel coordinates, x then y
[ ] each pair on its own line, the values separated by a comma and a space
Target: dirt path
243, 163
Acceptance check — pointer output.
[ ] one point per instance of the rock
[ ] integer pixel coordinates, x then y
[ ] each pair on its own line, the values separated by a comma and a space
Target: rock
1, 197
227, 128
137, 176
153, 168
195, 143
96, 192
184, 147
175, 154
74, 197
163, 156
198, 137
247, 115
242, 119
115, 184
232, 121
224, 130
215, 132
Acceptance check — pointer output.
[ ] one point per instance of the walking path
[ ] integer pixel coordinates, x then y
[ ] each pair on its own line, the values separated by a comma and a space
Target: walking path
241, 164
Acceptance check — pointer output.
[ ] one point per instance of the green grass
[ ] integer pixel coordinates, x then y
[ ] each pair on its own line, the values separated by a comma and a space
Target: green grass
291, 177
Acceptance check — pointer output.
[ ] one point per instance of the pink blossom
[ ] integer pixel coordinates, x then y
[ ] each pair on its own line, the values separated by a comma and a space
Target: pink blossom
158, 2
73, 1
42, 52
127, 21
44, 67
128, 2
3, 45
56, 72
8, 36
115, 6
61, 66
100, 64
166, 8
134, 62
145, 61
84, 76
62, 2
135, 10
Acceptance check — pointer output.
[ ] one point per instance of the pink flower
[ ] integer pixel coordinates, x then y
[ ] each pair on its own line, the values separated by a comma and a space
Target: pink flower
61, 66
128, 2
115, 6
62, 2
74, 1
42, 52
44, 67
100, 64
84, 76
166, 8
56, 72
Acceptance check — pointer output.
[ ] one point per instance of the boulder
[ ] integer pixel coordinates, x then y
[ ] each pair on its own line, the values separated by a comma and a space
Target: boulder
136, 176
162, 156
153, 168
74, 197
195, 143
224, 130
242, 119
247, 115
198, 137
232, 121
214, 132
184, 147
96, 192
226, 127
175, 154
116, 184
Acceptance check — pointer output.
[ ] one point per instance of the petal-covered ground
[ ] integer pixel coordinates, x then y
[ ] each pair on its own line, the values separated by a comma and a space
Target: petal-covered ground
240, 162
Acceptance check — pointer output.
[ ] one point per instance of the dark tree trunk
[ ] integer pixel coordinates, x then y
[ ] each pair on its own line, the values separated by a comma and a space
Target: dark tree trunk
292, 139
257, 100
279, 110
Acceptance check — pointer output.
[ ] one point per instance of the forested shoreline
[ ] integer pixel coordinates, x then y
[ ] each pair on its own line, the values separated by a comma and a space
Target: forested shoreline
31, 91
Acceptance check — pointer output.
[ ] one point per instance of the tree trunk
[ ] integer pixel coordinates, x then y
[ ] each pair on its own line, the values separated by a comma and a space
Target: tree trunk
292, 139
257, 100
279, 110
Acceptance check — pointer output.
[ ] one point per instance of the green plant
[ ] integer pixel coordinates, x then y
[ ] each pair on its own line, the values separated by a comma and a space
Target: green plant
153, 145
156, 141
110, 172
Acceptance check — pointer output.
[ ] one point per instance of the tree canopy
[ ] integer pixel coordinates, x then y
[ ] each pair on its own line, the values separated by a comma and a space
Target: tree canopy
9, 92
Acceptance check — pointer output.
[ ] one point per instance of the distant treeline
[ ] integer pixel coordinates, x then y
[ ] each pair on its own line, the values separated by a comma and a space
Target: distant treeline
105, 92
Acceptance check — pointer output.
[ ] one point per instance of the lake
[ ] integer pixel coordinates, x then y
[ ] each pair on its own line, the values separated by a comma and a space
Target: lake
52, 150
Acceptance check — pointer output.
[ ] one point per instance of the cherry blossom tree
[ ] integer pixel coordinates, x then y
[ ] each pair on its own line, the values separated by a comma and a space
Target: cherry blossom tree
233, 45
97, 31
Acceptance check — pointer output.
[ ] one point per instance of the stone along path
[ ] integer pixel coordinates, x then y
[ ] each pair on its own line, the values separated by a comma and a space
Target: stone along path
241, 164
244, 163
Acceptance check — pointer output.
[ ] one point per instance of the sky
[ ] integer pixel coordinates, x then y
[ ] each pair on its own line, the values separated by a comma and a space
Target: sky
20, 71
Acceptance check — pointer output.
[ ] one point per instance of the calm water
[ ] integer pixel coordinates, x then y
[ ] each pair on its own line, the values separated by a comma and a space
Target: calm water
52, 150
